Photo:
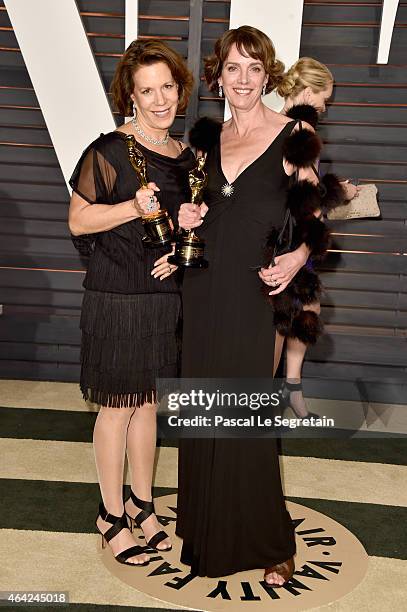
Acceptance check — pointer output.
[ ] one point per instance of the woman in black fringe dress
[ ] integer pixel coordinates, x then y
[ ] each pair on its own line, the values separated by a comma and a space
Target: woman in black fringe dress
131, 305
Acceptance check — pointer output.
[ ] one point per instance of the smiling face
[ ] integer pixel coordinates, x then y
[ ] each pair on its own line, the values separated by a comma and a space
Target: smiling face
155, 95
242, 79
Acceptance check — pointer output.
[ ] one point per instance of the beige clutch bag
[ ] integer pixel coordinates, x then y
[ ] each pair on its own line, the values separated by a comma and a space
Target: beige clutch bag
363, 205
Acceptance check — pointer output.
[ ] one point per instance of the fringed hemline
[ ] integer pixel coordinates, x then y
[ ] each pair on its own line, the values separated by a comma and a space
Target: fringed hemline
120, 400
116, 390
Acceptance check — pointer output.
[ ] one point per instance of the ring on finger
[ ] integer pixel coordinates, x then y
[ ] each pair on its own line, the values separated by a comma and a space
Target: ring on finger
151, 204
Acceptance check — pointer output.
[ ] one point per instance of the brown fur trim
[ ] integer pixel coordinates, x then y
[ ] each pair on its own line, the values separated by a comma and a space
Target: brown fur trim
306, 286
303, 199
302, 148
316, 236
307, 327
334, 192
304, 112
205, 134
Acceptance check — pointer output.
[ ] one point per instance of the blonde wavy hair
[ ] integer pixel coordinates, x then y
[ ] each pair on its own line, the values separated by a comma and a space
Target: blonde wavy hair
306, 72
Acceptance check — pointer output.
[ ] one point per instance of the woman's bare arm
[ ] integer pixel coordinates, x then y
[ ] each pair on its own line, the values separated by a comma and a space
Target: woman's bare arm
86, 218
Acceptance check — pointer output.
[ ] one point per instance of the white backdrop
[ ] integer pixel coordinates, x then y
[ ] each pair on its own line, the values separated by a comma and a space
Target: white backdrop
66, 80
63, 72
281, 21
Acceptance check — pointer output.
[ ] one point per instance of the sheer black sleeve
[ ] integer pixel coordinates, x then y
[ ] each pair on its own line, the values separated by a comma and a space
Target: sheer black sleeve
93, 180
94, 176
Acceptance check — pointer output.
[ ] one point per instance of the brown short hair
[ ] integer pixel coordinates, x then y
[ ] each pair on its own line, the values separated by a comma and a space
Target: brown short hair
144, 53
249, 41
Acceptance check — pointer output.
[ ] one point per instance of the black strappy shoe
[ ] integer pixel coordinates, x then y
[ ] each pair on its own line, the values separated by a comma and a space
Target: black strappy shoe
147, 509
119, 523
285, 393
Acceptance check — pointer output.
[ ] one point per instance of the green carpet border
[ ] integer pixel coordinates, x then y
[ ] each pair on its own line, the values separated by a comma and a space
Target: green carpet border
72, 508
73, 426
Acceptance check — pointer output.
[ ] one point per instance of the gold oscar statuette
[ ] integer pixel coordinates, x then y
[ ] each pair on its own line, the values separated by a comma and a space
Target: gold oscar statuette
189, 248
157, 224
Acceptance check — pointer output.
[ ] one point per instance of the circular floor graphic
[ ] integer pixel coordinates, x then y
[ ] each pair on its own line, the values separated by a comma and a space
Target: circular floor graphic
330, 563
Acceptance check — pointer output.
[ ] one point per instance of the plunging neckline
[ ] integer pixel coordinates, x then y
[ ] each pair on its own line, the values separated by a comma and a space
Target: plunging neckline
251, 163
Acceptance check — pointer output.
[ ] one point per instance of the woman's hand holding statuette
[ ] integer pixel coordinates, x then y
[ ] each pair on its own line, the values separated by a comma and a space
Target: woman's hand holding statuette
191, 215
145, 201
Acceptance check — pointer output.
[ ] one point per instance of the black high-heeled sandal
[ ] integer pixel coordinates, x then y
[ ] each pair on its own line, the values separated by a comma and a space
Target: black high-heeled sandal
119, 523
147, 509
285, 393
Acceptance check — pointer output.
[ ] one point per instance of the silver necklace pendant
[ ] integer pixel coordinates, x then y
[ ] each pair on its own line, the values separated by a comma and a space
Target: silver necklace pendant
227, 190
155, 141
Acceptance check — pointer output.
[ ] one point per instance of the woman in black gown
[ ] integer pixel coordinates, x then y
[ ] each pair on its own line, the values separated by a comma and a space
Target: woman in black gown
131, 305
231, 510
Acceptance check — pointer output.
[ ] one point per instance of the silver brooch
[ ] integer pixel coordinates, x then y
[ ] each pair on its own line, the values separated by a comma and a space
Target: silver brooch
227, 190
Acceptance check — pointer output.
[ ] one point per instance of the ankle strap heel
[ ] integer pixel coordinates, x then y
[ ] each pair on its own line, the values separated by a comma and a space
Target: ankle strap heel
147, 509
285, 393
118, 524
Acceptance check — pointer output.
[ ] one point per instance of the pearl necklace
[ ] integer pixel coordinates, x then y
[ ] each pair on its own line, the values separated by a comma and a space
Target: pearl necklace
155, 141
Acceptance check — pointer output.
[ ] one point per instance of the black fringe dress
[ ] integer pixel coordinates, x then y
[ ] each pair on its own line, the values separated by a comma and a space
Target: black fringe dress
129, 319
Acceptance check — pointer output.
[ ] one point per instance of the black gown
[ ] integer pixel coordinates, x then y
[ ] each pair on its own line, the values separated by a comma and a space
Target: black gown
231, 509
129, 319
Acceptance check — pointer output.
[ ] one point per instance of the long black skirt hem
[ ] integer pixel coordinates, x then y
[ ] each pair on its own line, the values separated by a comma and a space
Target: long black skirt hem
188, 559
231, 511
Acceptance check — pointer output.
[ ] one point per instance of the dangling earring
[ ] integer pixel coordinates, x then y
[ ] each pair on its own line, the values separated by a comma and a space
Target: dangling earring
263, 92
134, 112
220, 90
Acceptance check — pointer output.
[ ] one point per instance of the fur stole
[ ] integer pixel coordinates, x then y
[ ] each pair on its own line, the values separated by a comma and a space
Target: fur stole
205, 134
